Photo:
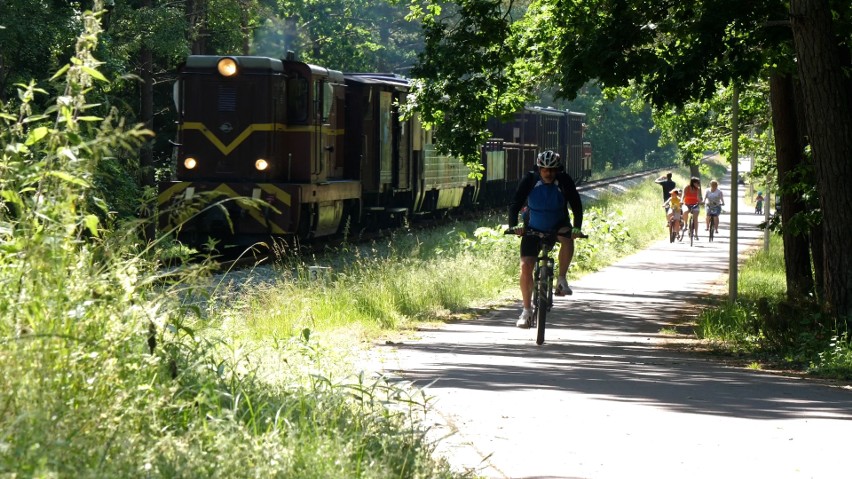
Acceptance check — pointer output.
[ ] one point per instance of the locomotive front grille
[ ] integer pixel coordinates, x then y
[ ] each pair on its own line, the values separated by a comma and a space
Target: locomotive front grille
227, 98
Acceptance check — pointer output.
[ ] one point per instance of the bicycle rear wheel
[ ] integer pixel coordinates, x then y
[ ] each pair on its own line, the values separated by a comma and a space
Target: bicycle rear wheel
713, 220
691, 230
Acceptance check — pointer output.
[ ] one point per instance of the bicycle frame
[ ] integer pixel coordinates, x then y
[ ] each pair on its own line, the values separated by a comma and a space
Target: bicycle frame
675, 227
714, 225
542, 299
692, 221
542, 294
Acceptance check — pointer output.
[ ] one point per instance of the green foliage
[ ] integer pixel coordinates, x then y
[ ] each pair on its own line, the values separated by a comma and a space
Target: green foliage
469, 74
105, 368
36, 38
349, 35
609, 238
485, 59
620, 129
701, 126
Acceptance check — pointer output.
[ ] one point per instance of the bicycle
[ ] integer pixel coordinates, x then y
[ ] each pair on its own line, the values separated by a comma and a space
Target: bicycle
713, 213
675, 228
692, 211
542, 299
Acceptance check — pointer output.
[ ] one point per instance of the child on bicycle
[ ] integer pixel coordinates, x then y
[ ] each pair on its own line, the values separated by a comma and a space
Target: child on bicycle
674, 208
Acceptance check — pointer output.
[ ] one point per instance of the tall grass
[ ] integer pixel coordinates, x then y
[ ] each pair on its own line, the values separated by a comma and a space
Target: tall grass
430, 275
104, 373
408, 278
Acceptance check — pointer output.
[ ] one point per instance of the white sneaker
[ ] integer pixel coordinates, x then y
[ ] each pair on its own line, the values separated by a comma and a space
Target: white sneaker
562, 288
524, 320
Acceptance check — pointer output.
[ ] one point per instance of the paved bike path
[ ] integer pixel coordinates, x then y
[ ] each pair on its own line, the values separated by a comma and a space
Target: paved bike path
602, 399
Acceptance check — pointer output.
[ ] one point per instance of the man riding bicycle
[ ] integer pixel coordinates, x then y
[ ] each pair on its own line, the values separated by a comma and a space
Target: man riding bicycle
692, 198
668, 185
547, 195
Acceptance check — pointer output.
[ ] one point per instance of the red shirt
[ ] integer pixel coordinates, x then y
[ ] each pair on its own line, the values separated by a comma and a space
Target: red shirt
691, 195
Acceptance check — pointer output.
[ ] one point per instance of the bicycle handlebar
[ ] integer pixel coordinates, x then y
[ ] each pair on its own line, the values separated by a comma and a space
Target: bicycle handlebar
541, 234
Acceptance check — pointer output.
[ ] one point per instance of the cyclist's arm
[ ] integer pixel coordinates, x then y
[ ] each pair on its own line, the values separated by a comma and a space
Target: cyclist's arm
519, 199
569, 190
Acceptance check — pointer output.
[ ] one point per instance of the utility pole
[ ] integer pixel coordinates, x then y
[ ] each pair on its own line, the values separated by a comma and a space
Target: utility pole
735, 176
766, 198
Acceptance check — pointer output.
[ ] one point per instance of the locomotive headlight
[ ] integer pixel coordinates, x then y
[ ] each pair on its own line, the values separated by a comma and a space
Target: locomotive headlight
190, 163
227, 67
261, 164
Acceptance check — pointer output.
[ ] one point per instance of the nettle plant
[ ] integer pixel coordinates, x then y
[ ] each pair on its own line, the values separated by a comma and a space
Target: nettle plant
49, 228
74, 317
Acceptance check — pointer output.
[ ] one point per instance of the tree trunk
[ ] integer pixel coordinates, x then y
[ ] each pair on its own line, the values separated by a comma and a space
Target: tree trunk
196, 15
827, 94
694, 171
817, 245
789, 153
245, 27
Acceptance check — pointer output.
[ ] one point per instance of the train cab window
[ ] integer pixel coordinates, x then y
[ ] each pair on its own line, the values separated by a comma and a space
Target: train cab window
281, 102
325, 91
297, 99
367, 103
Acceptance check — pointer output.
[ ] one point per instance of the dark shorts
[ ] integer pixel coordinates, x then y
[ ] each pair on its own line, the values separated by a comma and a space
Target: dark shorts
530, 245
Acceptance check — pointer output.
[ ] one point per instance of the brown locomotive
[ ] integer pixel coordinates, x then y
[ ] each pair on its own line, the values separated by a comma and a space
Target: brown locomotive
278, 147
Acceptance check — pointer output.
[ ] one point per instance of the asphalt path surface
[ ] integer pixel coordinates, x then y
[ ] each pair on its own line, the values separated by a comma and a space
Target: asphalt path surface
605, 398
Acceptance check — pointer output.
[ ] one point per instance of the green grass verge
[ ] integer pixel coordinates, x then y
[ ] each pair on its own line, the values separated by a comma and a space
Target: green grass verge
764, 325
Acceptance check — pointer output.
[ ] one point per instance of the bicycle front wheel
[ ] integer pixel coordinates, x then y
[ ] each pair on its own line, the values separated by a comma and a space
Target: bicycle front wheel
544, 286
541, 316
693, 229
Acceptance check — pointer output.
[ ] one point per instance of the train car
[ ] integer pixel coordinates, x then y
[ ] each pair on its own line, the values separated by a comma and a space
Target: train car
402, 172
263, 129
279, 147
578, 151
517, 140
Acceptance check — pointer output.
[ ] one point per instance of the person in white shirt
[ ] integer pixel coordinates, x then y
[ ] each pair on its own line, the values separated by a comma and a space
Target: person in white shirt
713, 201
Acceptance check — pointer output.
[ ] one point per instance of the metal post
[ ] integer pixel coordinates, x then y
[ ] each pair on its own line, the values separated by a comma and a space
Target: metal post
735, 134
766, 198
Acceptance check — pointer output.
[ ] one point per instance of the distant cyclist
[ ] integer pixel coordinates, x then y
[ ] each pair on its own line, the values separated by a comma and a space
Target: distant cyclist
547, 194
692, 198
758, 203
713, 201
668, 185
674, 206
